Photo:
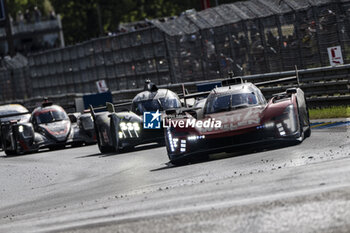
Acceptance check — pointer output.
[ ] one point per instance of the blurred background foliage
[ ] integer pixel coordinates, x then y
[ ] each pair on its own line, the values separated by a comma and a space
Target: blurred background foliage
80, 18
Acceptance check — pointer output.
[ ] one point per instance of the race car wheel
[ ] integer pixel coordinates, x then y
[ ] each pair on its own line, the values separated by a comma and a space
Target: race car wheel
180, 162
115, 137
10, 152
105, 149
308, 131
301, 129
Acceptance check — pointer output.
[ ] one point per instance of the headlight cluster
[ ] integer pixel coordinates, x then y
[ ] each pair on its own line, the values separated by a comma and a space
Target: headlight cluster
174, 142
289, 120
195, 137
25, 131
287, 124
20, 129
129, 130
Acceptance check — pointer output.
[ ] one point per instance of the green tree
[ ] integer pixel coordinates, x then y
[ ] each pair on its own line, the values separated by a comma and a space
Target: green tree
15, 6
80, 17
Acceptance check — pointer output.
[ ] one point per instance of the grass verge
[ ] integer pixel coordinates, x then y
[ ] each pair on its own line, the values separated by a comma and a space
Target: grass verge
330, 112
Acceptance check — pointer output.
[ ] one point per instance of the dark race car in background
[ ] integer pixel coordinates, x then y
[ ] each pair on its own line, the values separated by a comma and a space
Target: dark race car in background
124, 129
49, 127
246, 118
83, 126
13, 112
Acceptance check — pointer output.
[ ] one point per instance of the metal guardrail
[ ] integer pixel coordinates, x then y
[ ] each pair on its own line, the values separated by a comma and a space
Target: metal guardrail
324, 86
251, 38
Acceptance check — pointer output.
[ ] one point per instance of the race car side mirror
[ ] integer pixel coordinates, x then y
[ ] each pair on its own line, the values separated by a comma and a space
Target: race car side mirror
110, 107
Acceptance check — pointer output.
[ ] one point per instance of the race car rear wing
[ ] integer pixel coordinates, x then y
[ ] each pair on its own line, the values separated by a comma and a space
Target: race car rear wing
277, 81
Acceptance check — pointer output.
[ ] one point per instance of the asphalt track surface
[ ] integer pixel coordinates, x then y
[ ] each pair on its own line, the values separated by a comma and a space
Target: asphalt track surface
301, 188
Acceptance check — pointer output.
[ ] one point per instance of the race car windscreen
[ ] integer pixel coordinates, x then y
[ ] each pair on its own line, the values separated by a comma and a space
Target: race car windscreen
222, 103
50, 116
155, 104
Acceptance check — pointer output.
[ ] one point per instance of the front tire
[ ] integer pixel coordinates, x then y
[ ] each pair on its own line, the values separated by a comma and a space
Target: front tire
308, 131
179, 162
114, 133
105, 149
10, 152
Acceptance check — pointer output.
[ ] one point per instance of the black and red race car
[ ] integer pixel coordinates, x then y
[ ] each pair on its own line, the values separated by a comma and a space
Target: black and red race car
49, 126
233, 116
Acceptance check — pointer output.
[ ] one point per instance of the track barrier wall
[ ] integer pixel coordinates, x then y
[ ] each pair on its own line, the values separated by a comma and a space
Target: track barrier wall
257, 39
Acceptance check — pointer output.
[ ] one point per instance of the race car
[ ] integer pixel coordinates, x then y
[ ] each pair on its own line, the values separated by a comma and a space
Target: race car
83, 126
13, 112
125, 129
48, 127
233, 117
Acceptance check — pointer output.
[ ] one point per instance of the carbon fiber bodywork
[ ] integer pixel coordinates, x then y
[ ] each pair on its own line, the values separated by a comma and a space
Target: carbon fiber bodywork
119, 130
18, 137
282, 118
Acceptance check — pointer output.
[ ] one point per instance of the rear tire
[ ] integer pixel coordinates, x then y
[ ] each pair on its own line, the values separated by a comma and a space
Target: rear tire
10, 152
77, 144
200, 158
308, 131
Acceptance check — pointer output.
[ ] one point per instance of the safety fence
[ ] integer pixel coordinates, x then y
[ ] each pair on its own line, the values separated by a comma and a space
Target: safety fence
14, 79
326, 86
248, 38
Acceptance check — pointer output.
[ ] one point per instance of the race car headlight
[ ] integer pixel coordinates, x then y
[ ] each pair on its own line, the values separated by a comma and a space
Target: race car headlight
20, 129
136, 126
183, 146
269, 125
123, 126
171, 140
289, 120
129, 125
129, 129
195, 137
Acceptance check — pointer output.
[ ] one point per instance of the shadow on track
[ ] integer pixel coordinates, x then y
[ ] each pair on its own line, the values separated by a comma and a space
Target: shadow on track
123, 151
225, 155
25, 154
